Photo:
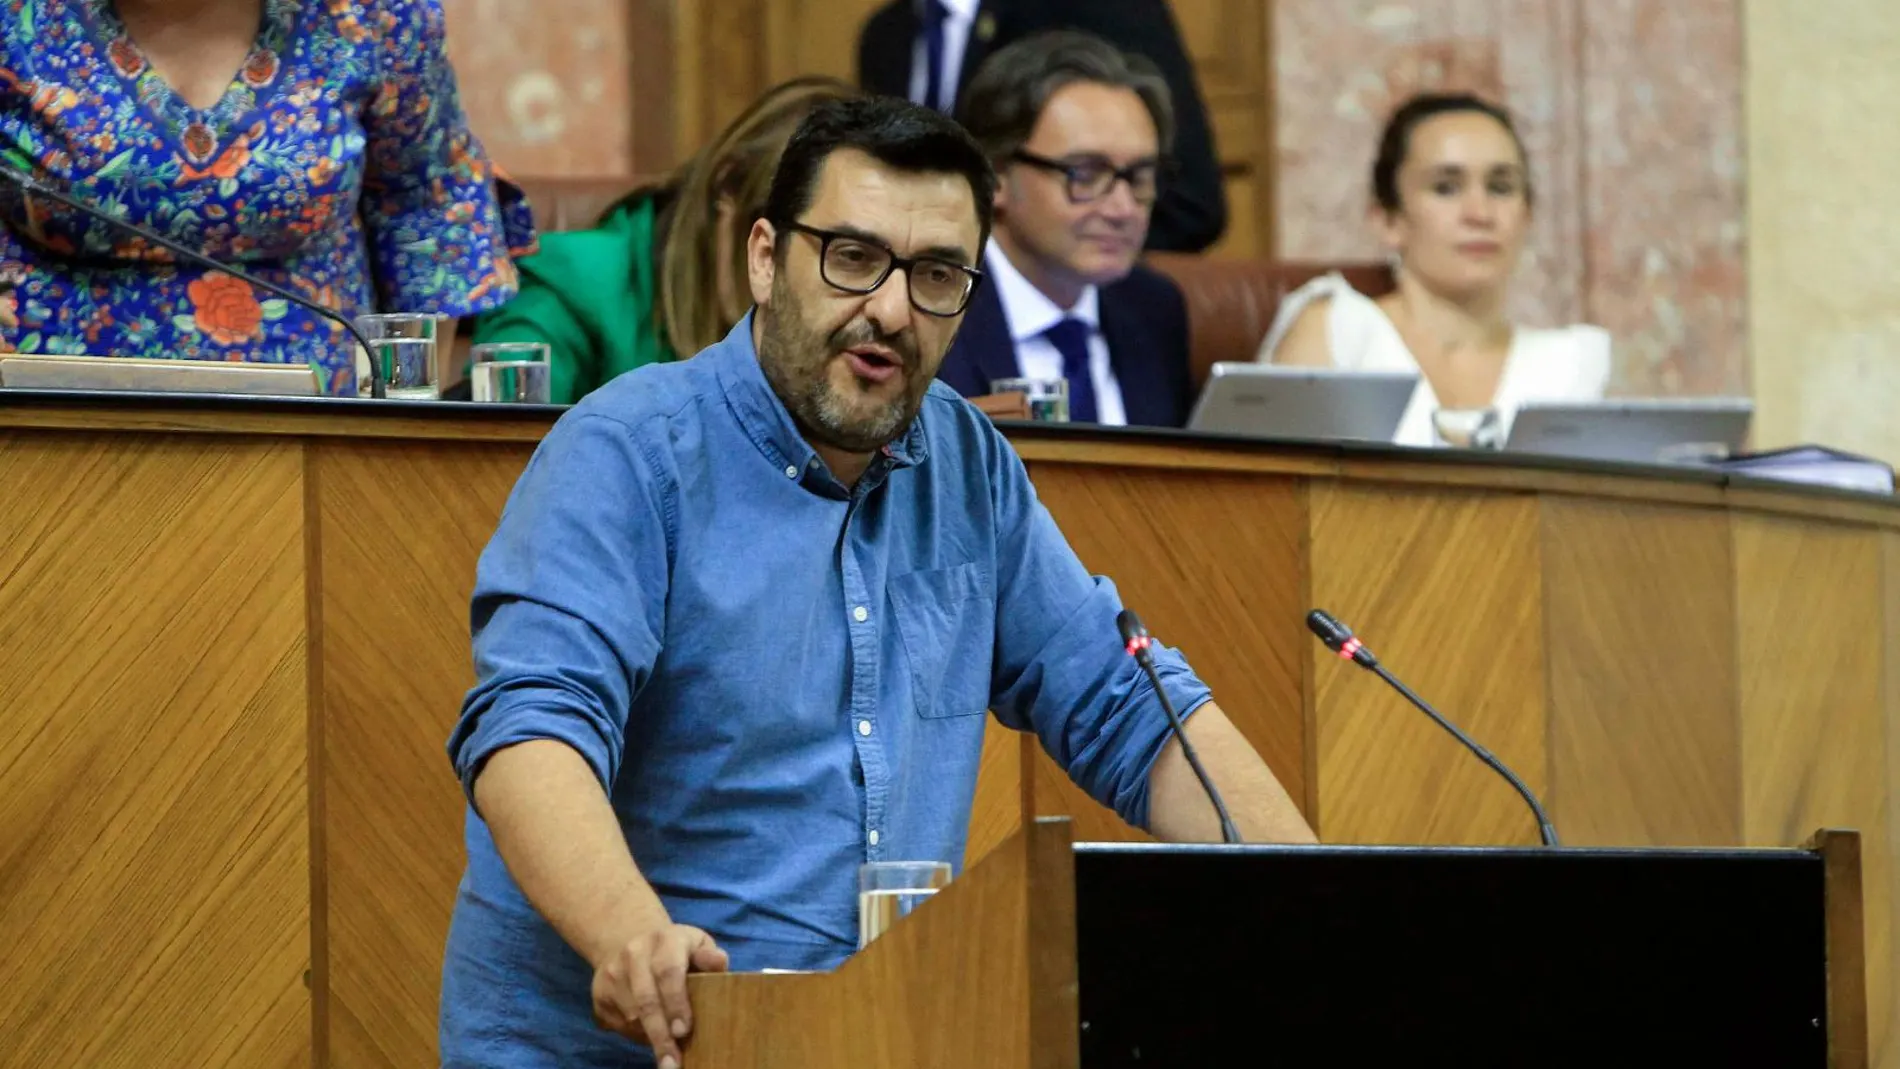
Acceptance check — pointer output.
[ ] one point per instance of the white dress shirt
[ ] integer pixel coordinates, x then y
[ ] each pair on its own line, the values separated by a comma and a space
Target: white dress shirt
1029, 313
956, 40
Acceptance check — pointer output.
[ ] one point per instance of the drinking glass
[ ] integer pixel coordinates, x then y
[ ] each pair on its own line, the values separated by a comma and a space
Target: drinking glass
889, 890
511, 372
403, 344
1048, 398
1471, 428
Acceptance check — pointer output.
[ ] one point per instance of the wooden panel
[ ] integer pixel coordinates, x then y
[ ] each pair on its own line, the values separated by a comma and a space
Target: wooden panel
1244, 234
374, 419
721, 66
1229, 44
1640, 637
1888, 1048
1212, 566
1005, 930
1225, 40
1847, 968
731, 52
400, 529
1445, 588
1814, 740
997, 813
816, 37
153, 880
653, 69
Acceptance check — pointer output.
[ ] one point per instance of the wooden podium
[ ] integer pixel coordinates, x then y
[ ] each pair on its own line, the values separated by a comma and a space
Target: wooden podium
1054, 955
234, 639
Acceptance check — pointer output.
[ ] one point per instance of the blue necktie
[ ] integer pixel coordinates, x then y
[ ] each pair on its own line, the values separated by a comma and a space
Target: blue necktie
1071, 339
934, 14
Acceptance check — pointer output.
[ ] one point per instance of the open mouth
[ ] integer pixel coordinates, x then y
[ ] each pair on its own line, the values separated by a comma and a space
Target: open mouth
875, 365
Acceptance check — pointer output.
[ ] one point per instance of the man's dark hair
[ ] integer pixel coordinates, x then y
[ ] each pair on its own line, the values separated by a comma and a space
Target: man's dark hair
1396, 142
892, 131
1008, 92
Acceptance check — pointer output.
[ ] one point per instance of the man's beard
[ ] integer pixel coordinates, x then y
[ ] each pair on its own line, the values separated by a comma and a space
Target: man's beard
797, 358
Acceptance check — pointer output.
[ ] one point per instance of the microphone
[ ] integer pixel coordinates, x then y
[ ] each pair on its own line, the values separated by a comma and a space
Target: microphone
1135, 637
1340, 639
33, 186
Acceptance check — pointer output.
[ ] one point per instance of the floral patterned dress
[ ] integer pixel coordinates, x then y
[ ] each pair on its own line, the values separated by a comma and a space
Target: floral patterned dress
338, 164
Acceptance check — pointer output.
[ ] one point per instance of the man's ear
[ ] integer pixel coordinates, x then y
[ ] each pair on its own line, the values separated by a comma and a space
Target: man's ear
761, 260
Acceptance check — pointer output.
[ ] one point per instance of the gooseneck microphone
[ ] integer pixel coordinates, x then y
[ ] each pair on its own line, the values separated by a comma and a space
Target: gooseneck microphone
34, 187
1340, 639
1135, 638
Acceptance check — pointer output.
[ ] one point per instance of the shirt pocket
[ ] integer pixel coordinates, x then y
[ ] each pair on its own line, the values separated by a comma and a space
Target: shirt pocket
947, 619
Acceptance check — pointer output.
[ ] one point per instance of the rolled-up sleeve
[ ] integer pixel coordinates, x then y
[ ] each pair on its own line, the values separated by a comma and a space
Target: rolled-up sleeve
444, 224
569, 596
1060, 667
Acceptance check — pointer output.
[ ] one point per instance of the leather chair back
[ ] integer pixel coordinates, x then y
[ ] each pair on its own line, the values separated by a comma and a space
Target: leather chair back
1231, 303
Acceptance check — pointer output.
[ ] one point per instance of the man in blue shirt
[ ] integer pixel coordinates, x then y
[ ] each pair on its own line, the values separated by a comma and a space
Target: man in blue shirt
742, 618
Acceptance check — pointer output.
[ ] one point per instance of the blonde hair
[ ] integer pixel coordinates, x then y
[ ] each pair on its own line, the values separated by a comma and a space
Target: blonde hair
737, 166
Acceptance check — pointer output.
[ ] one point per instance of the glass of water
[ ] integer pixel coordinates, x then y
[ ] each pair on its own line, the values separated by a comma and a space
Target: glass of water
1048, 398
511, 372
403, 344
889, 890
1469, 428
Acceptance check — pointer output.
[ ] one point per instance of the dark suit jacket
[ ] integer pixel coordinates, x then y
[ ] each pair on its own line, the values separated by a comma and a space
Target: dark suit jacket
1144, 321
1192, 210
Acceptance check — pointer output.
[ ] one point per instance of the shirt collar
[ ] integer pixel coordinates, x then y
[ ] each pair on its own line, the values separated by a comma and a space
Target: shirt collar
963, 10
766, 421
1028, 311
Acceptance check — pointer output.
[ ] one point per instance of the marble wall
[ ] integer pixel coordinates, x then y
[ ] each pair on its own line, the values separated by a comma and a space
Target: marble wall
548, 86
1824, 220
1631, 111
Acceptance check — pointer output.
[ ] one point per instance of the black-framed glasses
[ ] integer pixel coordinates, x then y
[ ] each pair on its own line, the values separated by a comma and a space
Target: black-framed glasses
1090, 178
857, 264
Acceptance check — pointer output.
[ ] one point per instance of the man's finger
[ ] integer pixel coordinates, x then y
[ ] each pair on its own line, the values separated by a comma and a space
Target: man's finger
709, 957
651, 1013
669, 973
613, 1003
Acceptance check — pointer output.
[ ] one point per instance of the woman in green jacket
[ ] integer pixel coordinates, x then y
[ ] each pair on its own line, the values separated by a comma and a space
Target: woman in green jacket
661, 275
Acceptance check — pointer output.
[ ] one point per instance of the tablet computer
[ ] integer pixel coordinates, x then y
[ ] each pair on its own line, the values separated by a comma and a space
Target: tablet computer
1281, 401
1635, 430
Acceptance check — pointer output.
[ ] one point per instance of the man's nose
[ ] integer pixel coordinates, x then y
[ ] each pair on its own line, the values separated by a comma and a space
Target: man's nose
888, 306
1119, 202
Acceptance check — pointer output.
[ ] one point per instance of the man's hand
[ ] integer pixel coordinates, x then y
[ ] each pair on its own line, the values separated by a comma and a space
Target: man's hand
1003, 405
640, 992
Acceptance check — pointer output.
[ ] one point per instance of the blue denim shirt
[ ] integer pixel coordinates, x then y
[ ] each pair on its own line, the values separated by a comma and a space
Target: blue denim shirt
775, 678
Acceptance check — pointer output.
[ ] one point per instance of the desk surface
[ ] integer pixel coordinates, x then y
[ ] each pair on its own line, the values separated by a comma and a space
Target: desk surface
1131, 447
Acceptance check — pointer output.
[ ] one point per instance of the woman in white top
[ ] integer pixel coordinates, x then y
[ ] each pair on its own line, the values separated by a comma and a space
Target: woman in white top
1452, 201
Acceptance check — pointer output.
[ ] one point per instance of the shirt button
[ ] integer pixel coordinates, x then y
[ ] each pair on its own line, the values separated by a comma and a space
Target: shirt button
864, 727
791, 471
873, 836
860, 614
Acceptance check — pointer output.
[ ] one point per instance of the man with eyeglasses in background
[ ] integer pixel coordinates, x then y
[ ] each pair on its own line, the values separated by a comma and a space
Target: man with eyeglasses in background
1077, 131
927, 50
742, 618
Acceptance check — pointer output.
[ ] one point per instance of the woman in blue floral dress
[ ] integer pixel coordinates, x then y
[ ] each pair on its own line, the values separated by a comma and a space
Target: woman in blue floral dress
337, 163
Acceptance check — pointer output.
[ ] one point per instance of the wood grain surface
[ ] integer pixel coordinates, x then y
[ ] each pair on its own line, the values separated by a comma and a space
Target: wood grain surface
1446, 590
1640, 641
231, 648
400, 527
154, 903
